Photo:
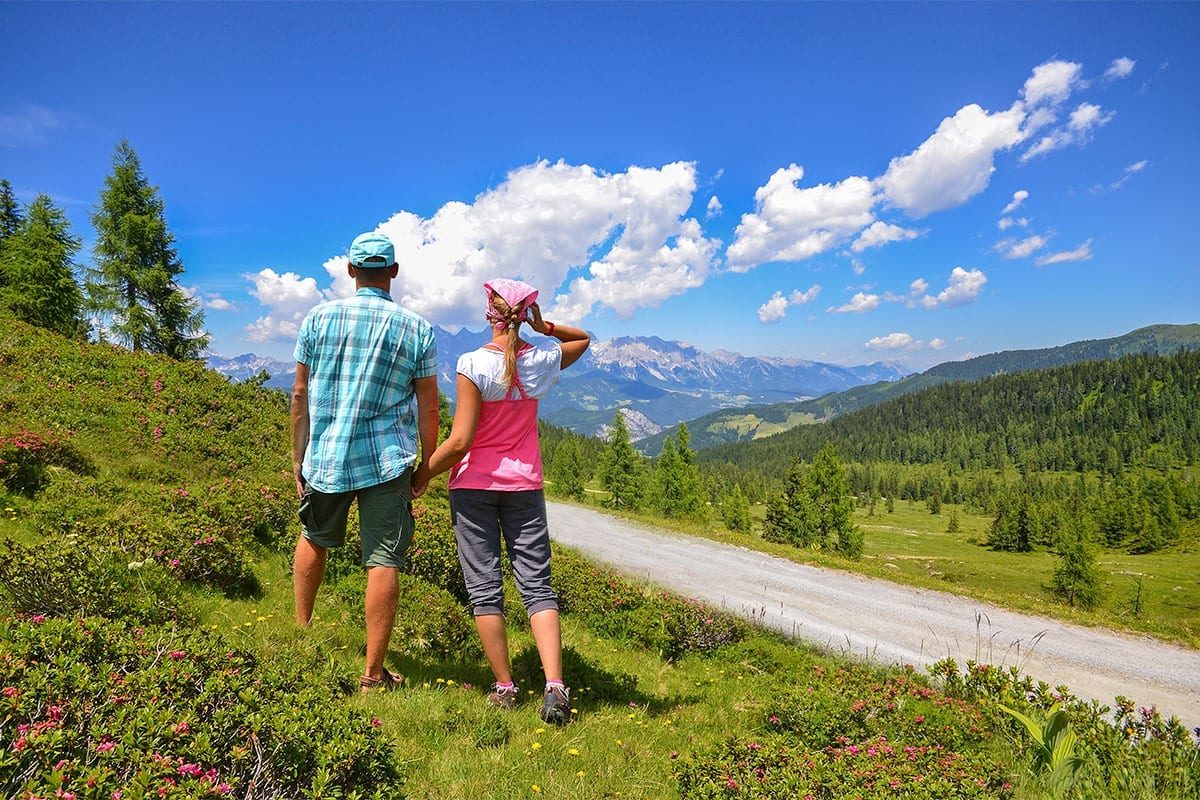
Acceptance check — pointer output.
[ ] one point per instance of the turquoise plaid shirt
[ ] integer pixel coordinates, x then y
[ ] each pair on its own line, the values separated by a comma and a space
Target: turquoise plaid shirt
363, 353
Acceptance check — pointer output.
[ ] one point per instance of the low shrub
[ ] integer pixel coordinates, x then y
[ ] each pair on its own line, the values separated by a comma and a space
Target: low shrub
99, 709
433, 555
616, 607
870, 770
165, 525
25, 458
75, 576
429, 621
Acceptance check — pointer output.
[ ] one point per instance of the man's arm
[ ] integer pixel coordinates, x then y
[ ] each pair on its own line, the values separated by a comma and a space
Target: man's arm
300, 425
426, 390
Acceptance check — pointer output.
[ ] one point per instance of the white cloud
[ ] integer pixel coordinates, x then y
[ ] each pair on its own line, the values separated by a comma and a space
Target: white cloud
954, 164
792, 224
881, 233
1011, 248
288, 297
964, 286
1082, 122
916, 292
858, 266
544, 222
1019, 196
28, 126
1130, 171
858, 304
1004, 223
714, 208
1081, 253
893, 341
207, 300
775, 309
937, 344
1052, 83
1120, 68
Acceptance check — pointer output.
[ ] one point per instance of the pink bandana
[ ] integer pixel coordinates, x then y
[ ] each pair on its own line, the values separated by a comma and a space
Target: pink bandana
517, 294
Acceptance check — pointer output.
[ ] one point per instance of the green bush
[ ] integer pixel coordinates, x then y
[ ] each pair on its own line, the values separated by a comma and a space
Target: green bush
433, 555
875, 769
25, 457
429, 621
74, 576
613, 606
166, 525
99, 709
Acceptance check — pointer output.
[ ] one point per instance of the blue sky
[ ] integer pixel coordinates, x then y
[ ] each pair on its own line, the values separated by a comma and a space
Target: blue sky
580, 147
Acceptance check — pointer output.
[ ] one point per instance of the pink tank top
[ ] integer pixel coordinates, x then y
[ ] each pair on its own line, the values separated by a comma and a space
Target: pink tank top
505, 455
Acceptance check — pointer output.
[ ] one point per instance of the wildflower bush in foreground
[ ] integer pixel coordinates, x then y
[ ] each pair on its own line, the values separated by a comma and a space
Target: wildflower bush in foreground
98, 709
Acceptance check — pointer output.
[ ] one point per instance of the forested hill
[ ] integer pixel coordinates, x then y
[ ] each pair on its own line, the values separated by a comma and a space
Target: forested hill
1102, 415
757, 422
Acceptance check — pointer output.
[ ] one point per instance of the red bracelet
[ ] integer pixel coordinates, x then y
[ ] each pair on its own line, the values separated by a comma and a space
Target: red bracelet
549, 328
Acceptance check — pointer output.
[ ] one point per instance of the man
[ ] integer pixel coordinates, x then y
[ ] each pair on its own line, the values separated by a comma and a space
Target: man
359, 363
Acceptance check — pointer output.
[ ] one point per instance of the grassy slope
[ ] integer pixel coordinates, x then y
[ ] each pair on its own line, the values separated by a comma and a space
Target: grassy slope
636, 709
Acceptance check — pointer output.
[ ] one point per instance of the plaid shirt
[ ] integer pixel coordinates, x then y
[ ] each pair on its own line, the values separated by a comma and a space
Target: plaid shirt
363, 353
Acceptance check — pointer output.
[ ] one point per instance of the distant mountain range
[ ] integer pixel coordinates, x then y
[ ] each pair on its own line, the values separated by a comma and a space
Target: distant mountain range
656, 381
756, 422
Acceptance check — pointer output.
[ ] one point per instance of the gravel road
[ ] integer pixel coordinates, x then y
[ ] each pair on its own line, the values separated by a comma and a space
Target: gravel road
887, 622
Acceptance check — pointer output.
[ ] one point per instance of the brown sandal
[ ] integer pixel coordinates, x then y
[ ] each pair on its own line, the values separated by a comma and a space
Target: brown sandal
385, 683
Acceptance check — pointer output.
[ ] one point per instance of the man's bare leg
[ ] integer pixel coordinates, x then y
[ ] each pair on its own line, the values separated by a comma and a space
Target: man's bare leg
308, 570
383, 587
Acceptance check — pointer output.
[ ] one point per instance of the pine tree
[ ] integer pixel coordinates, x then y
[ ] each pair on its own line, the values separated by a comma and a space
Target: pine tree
737, 511
835, 506
10, 212
935, 503
38, 270
677, 484
621, 469
133, 289
569, 470
10, 216
952, 526
1076, 579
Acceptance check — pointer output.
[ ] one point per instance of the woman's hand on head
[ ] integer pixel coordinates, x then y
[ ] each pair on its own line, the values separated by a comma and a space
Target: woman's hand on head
537, 323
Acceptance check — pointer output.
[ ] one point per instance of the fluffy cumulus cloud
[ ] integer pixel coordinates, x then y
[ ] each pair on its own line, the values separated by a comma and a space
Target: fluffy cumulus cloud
776, 308
937, 344
955, 163
1082, 122
1052, 83
1019, 197
790, 223
1120, 68
880, 233
893, 341
858, 304
1081, 253
288, 297
963, 287
1013, 248
209, 301
623, 238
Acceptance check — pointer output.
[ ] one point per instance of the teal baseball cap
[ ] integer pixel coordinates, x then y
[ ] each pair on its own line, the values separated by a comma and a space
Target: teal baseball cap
372, 245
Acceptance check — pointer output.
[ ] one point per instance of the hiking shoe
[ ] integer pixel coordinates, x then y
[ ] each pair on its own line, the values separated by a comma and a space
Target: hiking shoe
556, 706
503, 697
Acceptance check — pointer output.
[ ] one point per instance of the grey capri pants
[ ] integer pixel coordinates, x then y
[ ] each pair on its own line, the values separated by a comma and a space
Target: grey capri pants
480, 517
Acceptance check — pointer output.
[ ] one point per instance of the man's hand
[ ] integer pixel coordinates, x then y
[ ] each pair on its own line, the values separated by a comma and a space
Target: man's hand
298, 476
420, 480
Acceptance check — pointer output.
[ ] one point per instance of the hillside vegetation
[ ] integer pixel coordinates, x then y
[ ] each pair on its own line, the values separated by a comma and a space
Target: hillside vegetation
147, 648
757, 422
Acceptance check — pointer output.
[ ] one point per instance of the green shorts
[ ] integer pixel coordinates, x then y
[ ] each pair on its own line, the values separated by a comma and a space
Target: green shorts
384, 515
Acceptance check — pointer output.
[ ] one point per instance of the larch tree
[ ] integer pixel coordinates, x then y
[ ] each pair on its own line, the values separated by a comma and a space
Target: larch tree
134, 290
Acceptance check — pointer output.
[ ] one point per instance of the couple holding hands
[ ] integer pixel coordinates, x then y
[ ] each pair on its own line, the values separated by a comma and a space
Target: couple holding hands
360, 362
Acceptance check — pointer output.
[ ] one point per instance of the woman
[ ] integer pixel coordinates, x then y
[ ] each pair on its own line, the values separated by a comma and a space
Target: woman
496, 482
